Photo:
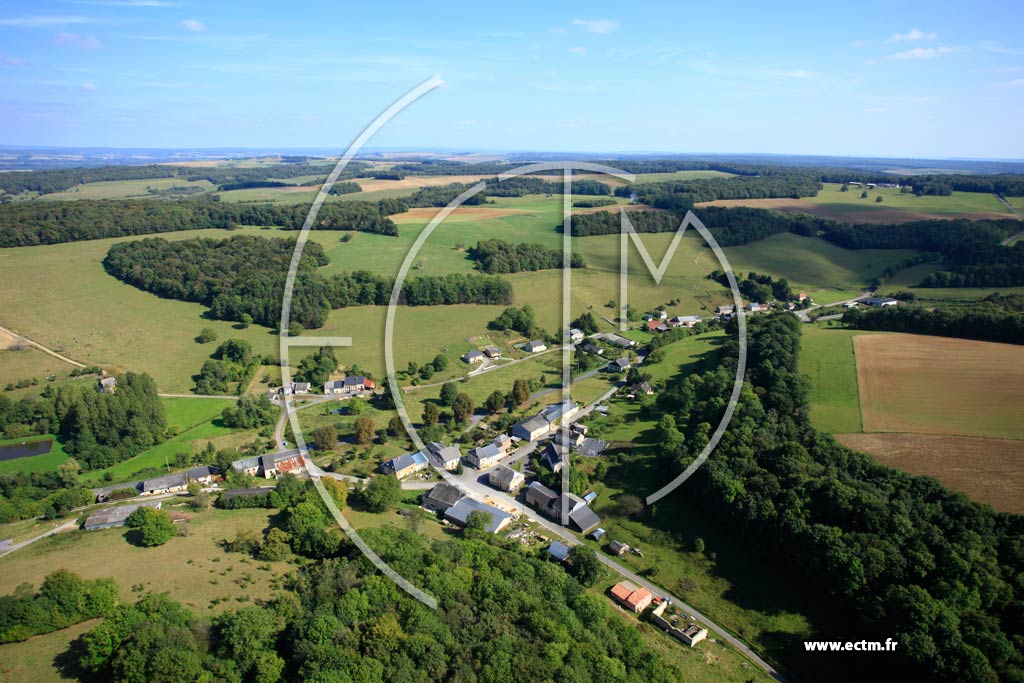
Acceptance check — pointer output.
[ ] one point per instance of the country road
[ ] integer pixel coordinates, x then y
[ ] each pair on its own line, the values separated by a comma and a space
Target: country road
42, 348
1009, 240
66, 526
487, 366
804, 314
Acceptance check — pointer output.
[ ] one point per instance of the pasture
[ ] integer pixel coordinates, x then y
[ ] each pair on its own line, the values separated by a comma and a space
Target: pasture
907, 280
38, 463
192, 568
827, 273
827, 358
939, 385
986, 470
129, 189
895, 207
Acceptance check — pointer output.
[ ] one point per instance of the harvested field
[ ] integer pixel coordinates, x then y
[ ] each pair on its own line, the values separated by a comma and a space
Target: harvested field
939, 385
462, 213
414, 182
987, 470
612, 207
871, 213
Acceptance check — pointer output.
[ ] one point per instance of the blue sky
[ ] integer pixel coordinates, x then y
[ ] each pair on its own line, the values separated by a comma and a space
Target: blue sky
858, 78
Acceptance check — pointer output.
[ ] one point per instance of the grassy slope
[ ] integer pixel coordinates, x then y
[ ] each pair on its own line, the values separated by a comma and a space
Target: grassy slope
124, 189
827, 272
827, 358
838, 202
907, 279
41, 463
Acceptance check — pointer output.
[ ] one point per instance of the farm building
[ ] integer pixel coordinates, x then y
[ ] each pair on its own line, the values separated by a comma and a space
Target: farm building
492, 352
277, 464
684, 321
725, 310
535, 346
485, 456
295, 388
618, 548
542, 499
532, 428
880, 301
108, 385
473, 357
575, 335
506, 479
254, 492
247, 465
690, 635
102, 494
583, 519
445, 457
353, 385
168, 484
441, 497
597, 534
204, 474
617, 340
404, 465
570, 438
460, 512
620, 365
632, 598
756, 308
558, 551
116, 516
594, 349
557, 412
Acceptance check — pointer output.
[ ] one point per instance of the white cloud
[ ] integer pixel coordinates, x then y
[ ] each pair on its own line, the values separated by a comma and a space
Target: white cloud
81, 42
860, 43
596, 25
990, 46
914, 34
38, 21
192, 25
925, 53
577, 50
91, 87
874, 110
1018, 83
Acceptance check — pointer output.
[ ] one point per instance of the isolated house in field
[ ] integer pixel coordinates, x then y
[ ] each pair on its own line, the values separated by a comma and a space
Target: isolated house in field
204, 474
460, 512
880, 301
634, 599
473, 357
108, 385
441, 497
116, 516
404, 465
594, 349
492, 352
542, 499
535, 346
617, 340
558, 551
575, 335
506, 479
445, 457
725, 310
801, 296
638, 390
172, 483
532, 428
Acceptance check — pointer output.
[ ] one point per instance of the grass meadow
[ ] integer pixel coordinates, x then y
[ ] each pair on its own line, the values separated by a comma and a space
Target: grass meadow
827, 358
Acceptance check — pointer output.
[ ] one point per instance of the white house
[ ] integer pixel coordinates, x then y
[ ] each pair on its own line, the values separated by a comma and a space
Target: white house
575, 335
473, 357
536, 346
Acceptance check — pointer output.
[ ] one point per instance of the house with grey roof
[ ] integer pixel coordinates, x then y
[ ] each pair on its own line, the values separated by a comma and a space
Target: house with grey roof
558, 412
460, 512
485, 456
404, 465
558, 551
445, 457
204, 474
591, 448
116, 516
108, 385
541, 498
441, 497
473, 356
621, 365
594, 349
555, 456
247, 465
531, 428
583, 519
506, 479
575, 335
535, 346
167, 484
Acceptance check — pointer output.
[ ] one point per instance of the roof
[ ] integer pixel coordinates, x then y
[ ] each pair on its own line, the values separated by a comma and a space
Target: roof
616, 546
247, 493
354, 381
623, 362
637, 597
170, 481
200, 472
584, 519
538, 492
686, 319
596, 534
334, 384
267, 462
503, 475
558, 550
473, 354
558, 410
623, 590
460, 512
537, 422
444, 493
405, 461
575, 331
108, 382
536, 344
555, 454
488, 451
443, 453
117, 515
879, 300
246, 463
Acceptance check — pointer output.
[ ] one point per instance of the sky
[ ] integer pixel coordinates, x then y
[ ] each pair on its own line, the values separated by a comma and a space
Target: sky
893, 79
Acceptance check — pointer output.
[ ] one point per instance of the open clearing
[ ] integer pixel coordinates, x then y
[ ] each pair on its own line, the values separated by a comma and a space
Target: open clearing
895, 207
193, 569
827, 357
127, 189
939, 385
825, 271
990, 471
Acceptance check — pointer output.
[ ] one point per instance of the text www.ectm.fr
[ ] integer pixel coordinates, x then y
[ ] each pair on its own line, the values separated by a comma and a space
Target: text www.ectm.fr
850, 645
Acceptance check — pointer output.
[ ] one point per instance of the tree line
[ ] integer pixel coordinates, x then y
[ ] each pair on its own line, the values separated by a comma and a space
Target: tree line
668, 194
889, 552
498, 256
64, 599
245, 276
983, 321
31, 223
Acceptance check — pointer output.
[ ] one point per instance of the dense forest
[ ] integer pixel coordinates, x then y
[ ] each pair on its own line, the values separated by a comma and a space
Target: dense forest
31, 223
669, 194
499, 256
889, 553
245, 275
982, 321
63, 600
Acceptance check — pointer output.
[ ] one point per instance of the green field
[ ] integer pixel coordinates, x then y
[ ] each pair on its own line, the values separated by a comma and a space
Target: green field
36, 658
679, 175
125, 189
826, 272
827, 358
195, 421
40, 463
907, 279
836, 201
